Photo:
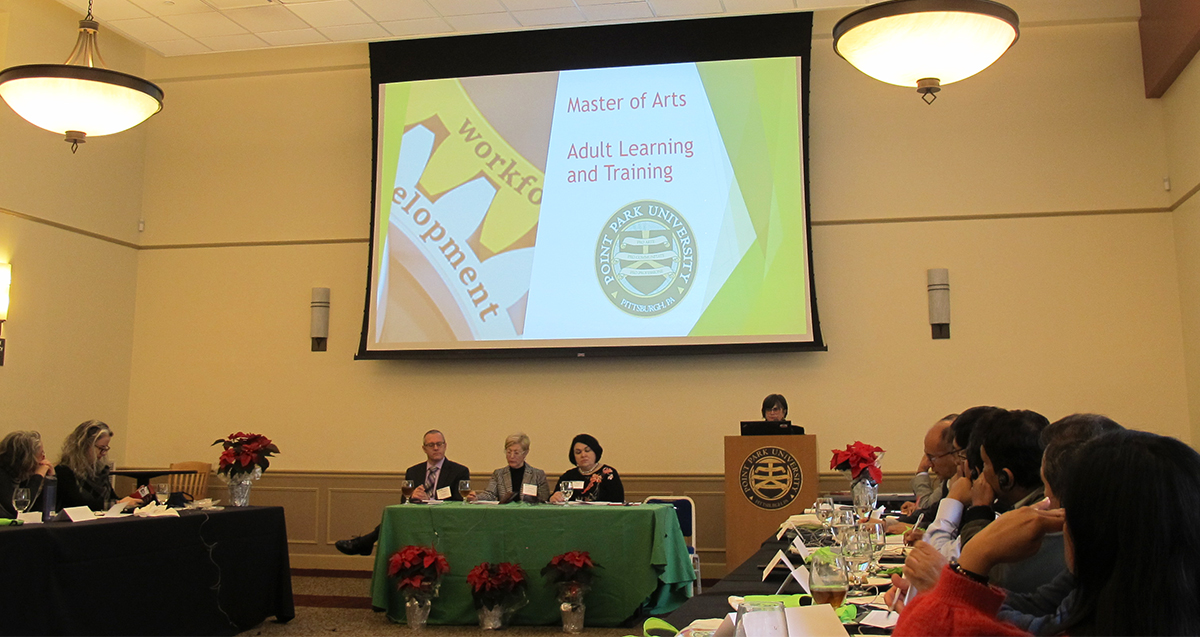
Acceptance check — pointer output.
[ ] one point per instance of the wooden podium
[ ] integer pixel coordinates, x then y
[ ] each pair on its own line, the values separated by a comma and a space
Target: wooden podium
767, 479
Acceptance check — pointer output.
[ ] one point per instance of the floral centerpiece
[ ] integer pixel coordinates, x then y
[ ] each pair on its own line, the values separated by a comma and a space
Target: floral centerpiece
498, 590
418, 571
572, 572
860, 462
245, 458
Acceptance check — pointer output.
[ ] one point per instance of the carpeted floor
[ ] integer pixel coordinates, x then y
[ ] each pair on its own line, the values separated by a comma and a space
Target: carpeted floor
339, 602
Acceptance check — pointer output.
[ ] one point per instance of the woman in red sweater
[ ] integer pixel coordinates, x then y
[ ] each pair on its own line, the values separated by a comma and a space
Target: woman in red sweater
1131, 521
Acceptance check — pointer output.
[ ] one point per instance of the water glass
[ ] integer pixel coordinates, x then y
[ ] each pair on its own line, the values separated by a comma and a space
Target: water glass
21, 499
567, 491
877, 530
825, 510
843, 519
857, 549
761, 619
162, 492
865, 494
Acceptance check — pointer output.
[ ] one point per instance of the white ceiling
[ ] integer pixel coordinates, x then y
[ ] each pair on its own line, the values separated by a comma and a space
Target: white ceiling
188, 27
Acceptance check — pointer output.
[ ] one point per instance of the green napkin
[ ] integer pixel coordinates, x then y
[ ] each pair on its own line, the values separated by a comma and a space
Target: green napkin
11, 522
789, 601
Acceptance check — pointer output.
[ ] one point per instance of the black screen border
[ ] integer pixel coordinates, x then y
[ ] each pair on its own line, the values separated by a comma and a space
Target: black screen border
659, 42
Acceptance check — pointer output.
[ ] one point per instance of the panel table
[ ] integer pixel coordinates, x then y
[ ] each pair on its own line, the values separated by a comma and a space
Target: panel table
644, 561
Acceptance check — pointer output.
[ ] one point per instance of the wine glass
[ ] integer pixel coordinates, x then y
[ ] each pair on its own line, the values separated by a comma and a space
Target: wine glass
877, 530
21, 500
406, 488
761, 619
843, 519
857, 549
162, 492
865, 495
464, 488
568, 490
824, 508
827, 578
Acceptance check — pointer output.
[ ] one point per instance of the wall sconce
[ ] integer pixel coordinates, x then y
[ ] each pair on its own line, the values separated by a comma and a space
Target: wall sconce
5, 280
939, 302
319, 322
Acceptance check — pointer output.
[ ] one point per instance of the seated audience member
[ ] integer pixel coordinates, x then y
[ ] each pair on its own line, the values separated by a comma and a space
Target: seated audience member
600, 481
436, 473
23, 465
1132, 537
935, 470
84, 471
1045, 611
774, 408
944, 519
1008, 443
518, 472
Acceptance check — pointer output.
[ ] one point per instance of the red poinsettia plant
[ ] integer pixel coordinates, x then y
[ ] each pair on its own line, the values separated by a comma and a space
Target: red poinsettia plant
572, 566
417, 567
495, 584
857, 457
244, 453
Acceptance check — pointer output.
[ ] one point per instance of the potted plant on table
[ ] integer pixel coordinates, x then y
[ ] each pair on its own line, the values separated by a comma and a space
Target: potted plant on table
418, 571
572, 572
245, 458
498, 590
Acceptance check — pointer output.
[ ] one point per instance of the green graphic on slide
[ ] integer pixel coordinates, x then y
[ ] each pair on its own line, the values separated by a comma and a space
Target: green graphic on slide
755, 103
393, 105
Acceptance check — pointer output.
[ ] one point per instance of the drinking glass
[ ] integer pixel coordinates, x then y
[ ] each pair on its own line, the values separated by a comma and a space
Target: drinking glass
162, 492
857, 549
877, 530
567, 491
761, 619
407, 488
21, 500
464, 487
827, 578
824, 508
843, 519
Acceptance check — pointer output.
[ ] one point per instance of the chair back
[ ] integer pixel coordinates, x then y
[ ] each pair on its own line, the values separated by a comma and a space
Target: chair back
194, 484
685, 509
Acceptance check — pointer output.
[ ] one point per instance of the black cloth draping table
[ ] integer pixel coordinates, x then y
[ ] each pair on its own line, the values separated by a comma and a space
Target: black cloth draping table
202, 573
744, 580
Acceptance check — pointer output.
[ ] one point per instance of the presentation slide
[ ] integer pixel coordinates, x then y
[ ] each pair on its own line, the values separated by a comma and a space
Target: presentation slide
659, 204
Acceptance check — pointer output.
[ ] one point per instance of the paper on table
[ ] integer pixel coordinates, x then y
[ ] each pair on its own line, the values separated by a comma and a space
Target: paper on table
800, 547
880, 619
79, 514
115, 511
30, 517
486, 502
818, 620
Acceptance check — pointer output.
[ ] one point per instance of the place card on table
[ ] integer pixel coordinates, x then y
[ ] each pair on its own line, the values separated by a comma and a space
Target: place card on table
30, 517
802, 621
881, 619
799, 573
79, 514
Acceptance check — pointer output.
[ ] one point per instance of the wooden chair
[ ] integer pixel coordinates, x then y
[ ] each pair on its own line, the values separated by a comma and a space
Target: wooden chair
194, 484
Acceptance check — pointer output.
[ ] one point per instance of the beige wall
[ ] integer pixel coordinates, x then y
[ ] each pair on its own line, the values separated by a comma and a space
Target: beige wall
70, 324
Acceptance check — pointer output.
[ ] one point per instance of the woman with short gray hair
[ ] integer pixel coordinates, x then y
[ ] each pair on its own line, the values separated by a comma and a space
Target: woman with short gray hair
532, 481
22, 465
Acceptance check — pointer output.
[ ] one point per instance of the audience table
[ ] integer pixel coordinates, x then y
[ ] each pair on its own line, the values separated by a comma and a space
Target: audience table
202, 573
643, 558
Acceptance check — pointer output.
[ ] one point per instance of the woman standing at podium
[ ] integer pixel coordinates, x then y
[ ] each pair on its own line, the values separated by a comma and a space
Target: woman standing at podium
601, 483
774, 408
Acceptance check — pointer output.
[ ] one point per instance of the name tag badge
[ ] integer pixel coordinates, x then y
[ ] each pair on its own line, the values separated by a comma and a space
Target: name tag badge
577, 485
443, 493
529, 489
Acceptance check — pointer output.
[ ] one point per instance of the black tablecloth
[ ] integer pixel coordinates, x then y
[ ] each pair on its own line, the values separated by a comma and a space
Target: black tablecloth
203, 573
743, 580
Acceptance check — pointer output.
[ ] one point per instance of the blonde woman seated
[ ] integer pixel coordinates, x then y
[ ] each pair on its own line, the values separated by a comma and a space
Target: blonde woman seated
23, 465
84, 472
518, 472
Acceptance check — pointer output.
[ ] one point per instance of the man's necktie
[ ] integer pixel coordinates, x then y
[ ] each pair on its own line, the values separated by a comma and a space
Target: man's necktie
431, 481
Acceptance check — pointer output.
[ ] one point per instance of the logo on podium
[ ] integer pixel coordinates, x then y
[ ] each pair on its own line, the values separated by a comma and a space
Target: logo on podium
771, 478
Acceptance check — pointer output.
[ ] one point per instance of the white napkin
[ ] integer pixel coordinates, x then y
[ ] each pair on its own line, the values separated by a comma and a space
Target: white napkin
156, 510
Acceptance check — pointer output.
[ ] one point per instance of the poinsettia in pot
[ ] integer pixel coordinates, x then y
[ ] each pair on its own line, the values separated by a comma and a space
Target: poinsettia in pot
499, 591
418, 572
572, 572
860, 462
245, 458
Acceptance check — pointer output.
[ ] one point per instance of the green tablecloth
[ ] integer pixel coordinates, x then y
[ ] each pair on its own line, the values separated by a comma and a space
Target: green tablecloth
641, 551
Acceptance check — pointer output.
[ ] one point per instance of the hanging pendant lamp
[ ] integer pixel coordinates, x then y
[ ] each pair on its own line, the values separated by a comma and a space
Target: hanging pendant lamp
926, 43
80, 98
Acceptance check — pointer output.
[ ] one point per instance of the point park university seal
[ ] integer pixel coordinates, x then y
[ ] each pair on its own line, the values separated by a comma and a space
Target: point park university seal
770, 478
646, 258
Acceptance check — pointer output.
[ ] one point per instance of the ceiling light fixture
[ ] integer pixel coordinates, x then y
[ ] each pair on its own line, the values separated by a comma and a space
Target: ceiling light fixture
926, 43
80, 98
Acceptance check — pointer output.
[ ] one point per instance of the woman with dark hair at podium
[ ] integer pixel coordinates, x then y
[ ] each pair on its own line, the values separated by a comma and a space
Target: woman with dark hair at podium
600, 481
774, 408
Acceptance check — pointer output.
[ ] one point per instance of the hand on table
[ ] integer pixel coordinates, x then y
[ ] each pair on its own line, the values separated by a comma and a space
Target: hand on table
471, 497
557, 498
894, 597
419, 494
1014, 536
908, 507
130, 502
913, 535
